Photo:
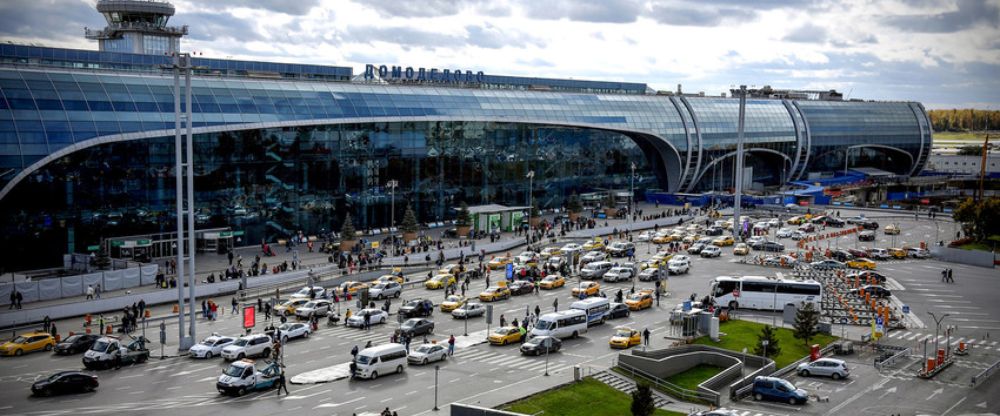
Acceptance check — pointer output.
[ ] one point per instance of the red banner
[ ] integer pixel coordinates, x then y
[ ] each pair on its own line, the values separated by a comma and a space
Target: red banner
249, 317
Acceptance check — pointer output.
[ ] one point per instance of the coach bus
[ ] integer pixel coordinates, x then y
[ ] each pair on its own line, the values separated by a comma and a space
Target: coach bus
764, 293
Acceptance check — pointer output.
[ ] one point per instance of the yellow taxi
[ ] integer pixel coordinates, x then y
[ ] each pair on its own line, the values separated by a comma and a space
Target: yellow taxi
353, 287
796, 220
552, 281
662, 238
506, 335
450, 268
625, 337
741, 249
892, 229
549, 252
288, 308
897, 253
29, 342
439, 281
860, 263
587, 288
453, 302
390, 278
494, 293
724, 241
498, 263
691, 238
641, 300
595, 244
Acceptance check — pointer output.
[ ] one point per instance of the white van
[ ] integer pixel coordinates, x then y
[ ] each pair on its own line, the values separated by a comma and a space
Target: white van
595, 307
562, 324
381, 359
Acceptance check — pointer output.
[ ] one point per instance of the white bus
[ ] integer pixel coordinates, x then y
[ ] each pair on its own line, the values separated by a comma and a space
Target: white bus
562, 324
763, 293
596, 309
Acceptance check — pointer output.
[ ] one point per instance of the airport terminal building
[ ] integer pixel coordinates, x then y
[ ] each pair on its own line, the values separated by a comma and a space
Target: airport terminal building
87, 141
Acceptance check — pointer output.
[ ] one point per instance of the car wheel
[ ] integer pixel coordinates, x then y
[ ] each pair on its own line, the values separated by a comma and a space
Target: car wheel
306, 335
503, 342
48, 347
399, 368
240, 356
397, 295
18, 353
241, 391
208, 355
423, 362
758, 397
381, 321
836, 376
575, 334
284, 340
792, 401
804, 373
733, 305
374, 375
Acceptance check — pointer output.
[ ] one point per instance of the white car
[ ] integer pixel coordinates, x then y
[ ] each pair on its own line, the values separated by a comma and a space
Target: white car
755, 240
304, 293
619, 274
711, 251
211, 347
385, 290
680, 257
571, 248
376, 316
293, 330
784, 232
427, 353
645, 236
318, 307
798, 235
594, 256
774, 223
678, 266
526, 257
248, 346
469, 310
918, 253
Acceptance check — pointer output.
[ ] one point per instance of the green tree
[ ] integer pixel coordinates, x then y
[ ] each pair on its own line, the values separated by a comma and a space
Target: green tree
347, 231
409, 224
978, 218
806, 322
535, 212
642, 400
573, 203
767, 334
462, 216
102, 261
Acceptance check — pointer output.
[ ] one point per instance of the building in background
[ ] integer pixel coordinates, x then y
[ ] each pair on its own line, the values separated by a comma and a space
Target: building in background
86, 142
137, 26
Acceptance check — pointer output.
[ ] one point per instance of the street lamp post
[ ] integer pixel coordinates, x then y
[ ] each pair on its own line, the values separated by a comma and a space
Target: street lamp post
546, 359
631, 201
184, 172
437, 368
392, 184
937, 327
737, 201
531, 180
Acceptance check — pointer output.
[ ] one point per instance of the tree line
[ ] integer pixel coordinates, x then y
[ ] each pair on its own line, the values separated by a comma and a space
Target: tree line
966, 119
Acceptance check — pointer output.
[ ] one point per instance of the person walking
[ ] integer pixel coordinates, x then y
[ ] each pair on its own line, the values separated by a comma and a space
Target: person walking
451, 345
281, 383
90, 293
645, 337
538, 311
503, 321
46, 323
555, 305
951, 278
235, 303
19, 297
13, 300
97, 292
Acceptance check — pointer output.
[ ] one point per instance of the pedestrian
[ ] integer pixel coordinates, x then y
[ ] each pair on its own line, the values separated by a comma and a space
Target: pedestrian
538, 311
354, 353
645, 337
281, 383
204, 309
555, 305
503, 321
142, 307
97, 291
451, 345
45, 323
944, 275
53, 332
90, 293
13, 300
235, 303
267, 311
354, 369
19, 297
951, 277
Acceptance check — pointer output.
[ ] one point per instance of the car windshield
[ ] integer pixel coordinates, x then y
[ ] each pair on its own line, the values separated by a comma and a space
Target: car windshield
210, 342
454, 298
545, 325
785, 384
635, 296
364, 359
241, 342
425, 349
20, 340
99, 346
380, 286
72, 338
233, 371
623, 333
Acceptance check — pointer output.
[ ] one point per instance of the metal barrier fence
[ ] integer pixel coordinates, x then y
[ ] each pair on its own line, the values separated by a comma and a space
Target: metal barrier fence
890, 360
985, 374
670, 388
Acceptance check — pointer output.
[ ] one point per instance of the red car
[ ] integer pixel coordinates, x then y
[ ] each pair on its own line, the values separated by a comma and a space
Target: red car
858, 253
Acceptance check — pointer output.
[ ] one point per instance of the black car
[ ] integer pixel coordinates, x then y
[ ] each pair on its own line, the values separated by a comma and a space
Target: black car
841, 255
866, 236
417, 326
714, 231
834, 222
771, 246
877, 277
541, 345
65, 382
521, 287
75, 344
417, 307
868, 225
618, 310
873, 291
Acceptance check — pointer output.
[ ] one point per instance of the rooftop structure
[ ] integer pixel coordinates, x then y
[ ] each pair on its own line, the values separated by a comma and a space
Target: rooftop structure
137, 26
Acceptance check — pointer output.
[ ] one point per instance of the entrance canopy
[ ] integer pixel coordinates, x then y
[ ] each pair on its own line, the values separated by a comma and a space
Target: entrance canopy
495, 217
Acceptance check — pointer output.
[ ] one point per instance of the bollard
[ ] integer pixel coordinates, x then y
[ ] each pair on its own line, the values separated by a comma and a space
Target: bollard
176, 308
930, 364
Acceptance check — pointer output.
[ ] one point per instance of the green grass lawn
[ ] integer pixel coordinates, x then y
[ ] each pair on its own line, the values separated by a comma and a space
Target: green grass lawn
691, 378
740, 334
987, 245
975, 137
587, 397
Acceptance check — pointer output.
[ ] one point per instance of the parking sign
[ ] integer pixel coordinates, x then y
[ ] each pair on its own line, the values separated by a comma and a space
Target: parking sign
510, 271
489, 314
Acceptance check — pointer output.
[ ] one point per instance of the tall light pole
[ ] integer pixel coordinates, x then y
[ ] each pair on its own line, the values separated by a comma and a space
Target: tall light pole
392, 184
631, 203
531, 180
184, 166
738, 197
937, 326
437, 368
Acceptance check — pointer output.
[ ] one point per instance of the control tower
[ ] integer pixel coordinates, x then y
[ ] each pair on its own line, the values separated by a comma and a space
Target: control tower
137, 26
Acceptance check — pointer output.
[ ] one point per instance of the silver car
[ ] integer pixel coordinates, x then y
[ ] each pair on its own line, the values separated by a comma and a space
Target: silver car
318, 307
829, 367
469, 310
427, 353
618, 274
385, 290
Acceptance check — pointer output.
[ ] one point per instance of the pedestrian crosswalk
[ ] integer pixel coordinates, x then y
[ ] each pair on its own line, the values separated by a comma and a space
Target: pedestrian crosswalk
738, 412
918, 338
494, 359
351, 334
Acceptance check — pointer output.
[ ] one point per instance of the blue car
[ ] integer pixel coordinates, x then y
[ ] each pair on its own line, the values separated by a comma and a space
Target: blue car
779, 390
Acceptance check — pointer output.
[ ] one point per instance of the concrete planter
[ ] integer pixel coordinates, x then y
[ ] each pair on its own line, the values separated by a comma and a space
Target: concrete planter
463, 230
407, 237
347, 245
610, 212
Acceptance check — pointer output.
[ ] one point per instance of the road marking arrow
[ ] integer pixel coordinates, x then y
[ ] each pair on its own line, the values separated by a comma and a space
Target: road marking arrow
887, 392
983, 405
935, 393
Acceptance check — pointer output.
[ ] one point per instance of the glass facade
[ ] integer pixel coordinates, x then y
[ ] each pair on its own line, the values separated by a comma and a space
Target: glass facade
87, 152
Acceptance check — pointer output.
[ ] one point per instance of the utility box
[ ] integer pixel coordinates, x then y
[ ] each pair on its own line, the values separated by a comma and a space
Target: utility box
713, 329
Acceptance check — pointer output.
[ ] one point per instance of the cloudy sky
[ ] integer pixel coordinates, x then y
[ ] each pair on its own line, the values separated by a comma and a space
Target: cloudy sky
944, 53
